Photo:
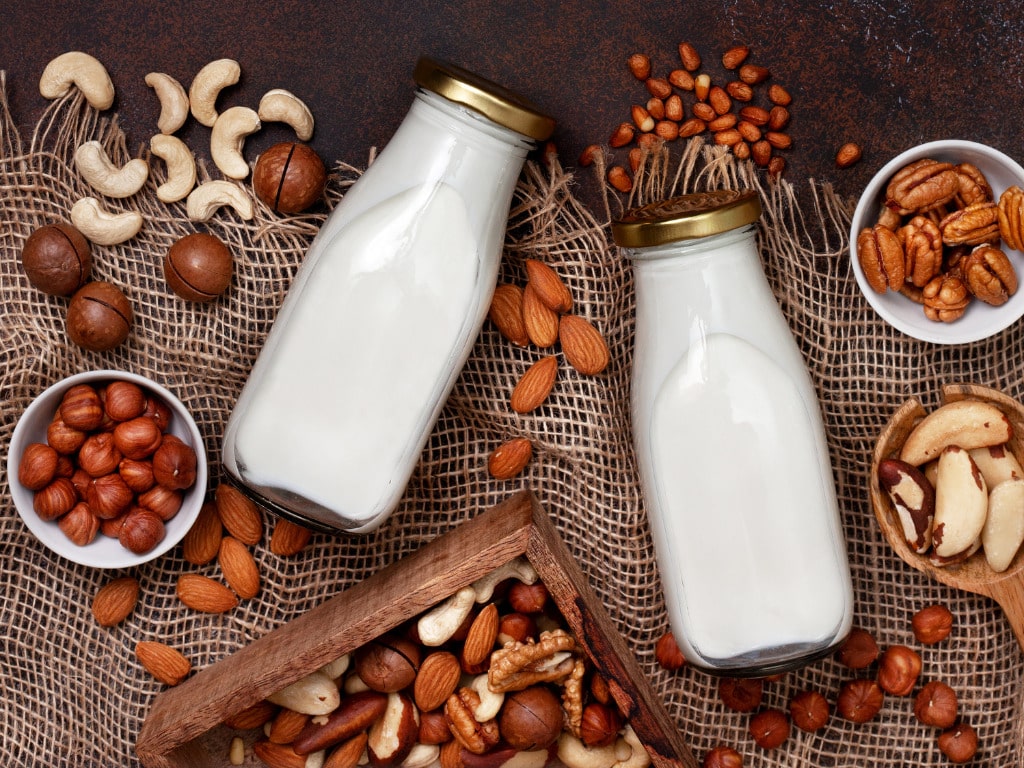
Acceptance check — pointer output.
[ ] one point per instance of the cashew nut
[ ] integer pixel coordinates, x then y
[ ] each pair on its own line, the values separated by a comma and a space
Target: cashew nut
315, 759
575, 754
173, 101
207, 85
83, 70
228, 138
437, 625
516, 568
335, 669
490, 701
96, 168
314, 694
638, 756
204, 200
181, 167
279, 105
354, 684
421, 756
102, 227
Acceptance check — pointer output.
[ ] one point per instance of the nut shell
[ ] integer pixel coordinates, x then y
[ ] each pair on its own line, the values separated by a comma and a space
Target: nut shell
99, 316
289, 177
57, 259
198, 267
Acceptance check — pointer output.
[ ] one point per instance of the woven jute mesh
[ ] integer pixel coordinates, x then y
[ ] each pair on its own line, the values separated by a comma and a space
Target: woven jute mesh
73, 693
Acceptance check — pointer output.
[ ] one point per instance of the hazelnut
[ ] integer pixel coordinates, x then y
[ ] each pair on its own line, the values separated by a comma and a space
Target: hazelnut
770, 728
289, 177
434, 728
932, 624
667, 653
137, 438
98, 455
62, 438
65, 467
161, 500
600, 725
81, 408
81, 480
99, 316
809, 711
531, 718
388, 664
159, 411
198, 267
109, 496
741, 694
57, 259
599, 689
860, 700
959, 743
137, 475
55, 499
174, 464
124, 400
112, 528
936, 705
517, 627
80, 525
898, 670
140, 531
722, 757
528, 598
38, 466
859, 650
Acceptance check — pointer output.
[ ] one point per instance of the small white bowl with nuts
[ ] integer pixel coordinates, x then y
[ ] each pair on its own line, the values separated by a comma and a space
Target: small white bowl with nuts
937, 242
107, 469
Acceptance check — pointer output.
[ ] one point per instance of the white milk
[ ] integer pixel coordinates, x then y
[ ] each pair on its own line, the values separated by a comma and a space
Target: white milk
384, 311
730, 446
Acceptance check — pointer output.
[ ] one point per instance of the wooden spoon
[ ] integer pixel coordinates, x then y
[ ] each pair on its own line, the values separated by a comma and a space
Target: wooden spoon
974, 574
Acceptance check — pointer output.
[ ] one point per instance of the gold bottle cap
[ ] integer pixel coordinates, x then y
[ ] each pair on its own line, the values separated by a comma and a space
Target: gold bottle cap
494, 102
686, 217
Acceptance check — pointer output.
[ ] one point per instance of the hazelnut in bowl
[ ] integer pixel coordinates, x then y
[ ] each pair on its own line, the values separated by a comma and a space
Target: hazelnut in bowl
107, 469
937, 242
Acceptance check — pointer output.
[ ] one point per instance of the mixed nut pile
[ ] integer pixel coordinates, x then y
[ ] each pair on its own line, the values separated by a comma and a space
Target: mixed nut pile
938, 239
288, 178
957, 487
489, 677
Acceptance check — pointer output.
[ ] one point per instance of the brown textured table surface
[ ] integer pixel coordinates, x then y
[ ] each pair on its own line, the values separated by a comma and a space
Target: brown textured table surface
885, 75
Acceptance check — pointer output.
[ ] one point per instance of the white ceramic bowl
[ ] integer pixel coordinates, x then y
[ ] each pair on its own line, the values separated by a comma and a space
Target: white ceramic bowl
103, 552
980, 320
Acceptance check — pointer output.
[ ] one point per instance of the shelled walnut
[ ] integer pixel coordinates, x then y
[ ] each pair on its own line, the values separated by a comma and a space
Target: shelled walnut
487, 676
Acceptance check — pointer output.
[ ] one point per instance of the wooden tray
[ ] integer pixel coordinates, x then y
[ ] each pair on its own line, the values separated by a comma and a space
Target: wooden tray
185, 721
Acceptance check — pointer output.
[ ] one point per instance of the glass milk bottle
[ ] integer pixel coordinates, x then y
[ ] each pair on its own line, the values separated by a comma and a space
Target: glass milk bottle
730, 445
384, 310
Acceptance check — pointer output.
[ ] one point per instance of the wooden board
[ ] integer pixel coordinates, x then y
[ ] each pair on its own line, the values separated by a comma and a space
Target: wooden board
178, 729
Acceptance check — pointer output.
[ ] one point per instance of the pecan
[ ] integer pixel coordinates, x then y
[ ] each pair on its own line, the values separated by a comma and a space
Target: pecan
974, 187
1011, 217
922, 246
521, 664
989, 275
945, 298
921, 186
572, 698
889, 219
976, 224
881, 258
460, 710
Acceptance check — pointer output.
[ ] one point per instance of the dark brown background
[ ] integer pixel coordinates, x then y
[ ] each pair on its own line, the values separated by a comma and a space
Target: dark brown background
887, 75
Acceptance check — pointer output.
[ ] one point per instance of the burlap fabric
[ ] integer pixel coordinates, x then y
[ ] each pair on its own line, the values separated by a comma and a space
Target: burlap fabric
73, 694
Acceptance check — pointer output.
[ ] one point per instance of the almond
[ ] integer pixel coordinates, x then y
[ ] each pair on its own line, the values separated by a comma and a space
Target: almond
115, 600
583, 345
201, 593
510, 458
202, 541
541, 321
287, 725
239, 568
506, 312
278, 755
288, 538
239, 514
163, 662
437, 679
549, 286
535, 385
482, 633
348, 753
252, 717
